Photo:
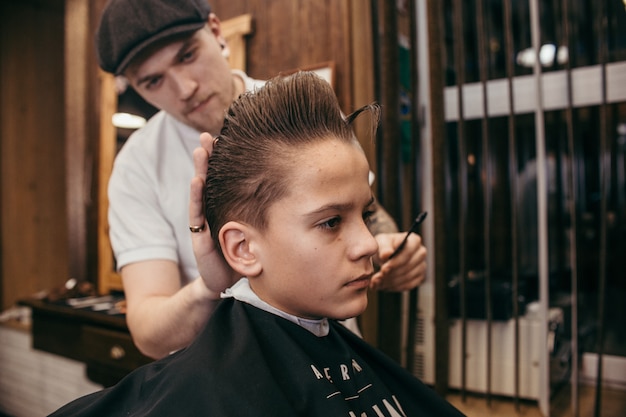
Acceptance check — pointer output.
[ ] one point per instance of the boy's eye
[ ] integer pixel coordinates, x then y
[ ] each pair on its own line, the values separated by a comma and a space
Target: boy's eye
368, 216
330, 223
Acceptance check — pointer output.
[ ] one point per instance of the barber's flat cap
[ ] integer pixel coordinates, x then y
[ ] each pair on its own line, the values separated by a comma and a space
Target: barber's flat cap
128, 27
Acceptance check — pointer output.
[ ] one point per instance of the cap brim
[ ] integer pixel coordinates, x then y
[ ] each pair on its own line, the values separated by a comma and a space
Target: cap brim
159, 37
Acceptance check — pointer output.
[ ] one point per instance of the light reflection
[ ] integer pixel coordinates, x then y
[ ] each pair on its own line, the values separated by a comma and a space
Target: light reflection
128, 121
549, 54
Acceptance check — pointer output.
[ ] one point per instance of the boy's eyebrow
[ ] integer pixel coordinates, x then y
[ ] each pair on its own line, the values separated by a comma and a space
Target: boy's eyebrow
339, 207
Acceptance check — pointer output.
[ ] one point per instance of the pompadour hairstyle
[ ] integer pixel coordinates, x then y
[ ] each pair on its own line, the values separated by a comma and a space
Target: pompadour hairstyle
263, 131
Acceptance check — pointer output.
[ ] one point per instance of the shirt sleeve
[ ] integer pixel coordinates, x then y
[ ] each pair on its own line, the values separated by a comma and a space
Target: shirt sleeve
138, 229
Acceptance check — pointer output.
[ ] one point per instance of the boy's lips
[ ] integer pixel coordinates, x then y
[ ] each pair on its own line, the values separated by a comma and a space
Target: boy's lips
362, 281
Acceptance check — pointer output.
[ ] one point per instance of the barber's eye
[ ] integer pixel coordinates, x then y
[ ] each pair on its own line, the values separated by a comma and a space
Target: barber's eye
188, 55
152, 83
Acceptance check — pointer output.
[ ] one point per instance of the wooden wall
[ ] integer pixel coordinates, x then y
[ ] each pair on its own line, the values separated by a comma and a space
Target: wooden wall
48, 120
289, 34
32, 148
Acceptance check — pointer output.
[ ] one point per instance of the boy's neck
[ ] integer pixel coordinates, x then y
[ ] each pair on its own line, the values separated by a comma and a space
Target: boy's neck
241, 291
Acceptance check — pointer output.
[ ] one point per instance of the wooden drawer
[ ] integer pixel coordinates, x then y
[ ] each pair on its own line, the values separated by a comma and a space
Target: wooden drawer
112, 348
100, 340
110, 354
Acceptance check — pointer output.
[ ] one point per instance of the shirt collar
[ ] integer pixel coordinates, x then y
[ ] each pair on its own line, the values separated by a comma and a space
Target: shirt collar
241, 291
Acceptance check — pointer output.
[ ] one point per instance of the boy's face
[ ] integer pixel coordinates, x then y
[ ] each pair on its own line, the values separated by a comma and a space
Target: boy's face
188, 78
316, 253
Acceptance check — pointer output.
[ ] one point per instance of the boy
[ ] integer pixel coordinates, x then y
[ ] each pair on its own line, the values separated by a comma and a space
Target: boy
288, 198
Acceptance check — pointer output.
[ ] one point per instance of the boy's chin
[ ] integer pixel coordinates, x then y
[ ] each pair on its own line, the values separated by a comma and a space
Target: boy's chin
352, 312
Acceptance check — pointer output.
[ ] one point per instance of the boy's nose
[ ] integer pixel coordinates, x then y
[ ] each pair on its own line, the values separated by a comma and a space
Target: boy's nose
365, 243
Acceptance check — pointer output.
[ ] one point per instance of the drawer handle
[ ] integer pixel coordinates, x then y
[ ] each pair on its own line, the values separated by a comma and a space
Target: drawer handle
117, 352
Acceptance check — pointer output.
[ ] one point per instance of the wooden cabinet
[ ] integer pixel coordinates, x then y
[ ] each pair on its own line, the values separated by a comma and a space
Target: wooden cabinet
100, 340
109, 353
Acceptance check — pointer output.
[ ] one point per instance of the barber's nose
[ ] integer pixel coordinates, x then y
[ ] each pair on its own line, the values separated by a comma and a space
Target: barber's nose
184, 85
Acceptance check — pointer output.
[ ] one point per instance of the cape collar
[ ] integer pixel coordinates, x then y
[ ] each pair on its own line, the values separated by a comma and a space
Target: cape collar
241, 291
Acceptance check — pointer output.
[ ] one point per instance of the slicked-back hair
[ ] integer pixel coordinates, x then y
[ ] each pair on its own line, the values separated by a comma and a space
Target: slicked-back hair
263, 131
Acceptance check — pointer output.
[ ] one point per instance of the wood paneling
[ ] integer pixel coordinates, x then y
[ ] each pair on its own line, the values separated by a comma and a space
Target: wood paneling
32, 148
108, 278
76, 24
49, 116
290, 34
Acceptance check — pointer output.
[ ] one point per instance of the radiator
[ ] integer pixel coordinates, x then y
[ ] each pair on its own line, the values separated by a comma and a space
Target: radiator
503, 363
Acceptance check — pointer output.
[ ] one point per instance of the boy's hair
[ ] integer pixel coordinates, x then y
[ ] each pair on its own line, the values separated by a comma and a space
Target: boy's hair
263, 132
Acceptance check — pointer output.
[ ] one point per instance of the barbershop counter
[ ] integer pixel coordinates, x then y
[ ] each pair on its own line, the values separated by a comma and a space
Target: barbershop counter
91, 330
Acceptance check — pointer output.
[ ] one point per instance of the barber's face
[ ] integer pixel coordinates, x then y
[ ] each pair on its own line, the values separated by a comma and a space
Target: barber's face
188, 78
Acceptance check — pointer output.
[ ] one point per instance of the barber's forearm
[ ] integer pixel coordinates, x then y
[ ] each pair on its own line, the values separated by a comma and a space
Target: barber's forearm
163, 324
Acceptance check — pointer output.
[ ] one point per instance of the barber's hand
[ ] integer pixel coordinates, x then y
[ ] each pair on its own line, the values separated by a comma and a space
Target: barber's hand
214, 270
404, 271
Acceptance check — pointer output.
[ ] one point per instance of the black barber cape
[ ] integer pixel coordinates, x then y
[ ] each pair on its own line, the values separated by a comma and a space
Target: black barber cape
248, 362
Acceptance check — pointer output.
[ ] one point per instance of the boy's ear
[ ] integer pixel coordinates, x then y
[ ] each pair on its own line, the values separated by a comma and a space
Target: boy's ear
235, 240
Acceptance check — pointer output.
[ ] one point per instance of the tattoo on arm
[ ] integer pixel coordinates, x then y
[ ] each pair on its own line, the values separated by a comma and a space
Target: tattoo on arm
381, 221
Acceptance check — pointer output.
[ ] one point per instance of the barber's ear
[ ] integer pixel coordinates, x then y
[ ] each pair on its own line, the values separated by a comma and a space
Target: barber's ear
225, 50
215, 26
238, 249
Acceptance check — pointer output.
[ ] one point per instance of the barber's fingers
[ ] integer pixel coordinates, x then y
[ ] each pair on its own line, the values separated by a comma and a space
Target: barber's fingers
201, 155
196, 203
200, 162
406, 270
206, 141
213, 269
